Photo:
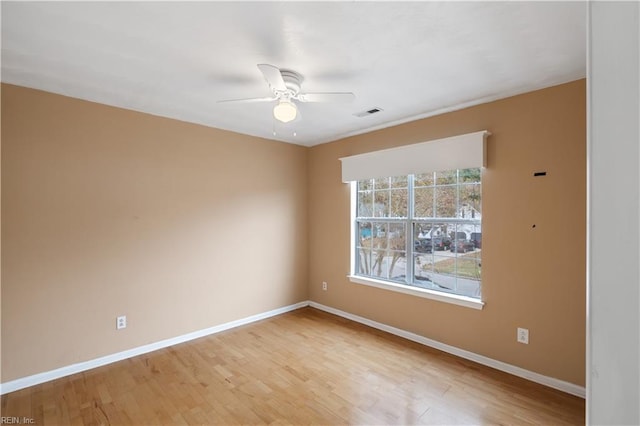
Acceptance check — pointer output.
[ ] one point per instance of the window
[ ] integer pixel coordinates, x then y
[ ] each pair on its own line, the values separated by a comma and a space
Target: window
418, 228
421, 230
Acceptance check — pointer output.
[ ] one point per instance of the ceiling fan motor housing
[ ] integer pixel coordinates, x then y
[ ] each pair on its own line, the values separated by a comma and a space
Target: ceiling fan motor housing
292, 80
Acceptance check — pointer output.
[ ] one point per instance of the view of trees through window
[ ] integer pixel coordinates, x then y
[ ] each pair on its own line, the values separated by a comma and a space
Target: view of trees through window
422, 230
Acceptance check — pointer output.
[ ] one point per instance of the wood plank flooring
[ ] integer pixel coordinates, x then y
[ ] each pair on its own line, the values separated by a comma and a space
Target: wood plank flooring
303, 367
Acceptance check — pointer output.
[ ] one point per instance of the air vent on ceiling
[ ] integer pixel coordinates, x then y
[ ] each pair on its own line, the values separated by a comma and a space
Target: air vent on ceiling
368, 112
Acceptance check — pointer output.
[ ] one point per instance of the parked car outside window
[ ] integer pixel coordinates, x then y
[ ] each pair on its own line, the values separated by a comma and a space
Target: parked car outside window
462, 246
441, 243
476, 238
423, 245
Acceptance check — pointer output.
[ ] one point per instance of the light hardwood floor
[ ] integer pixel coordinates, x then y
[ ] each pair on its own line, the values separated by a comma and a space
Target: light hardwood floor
303, 367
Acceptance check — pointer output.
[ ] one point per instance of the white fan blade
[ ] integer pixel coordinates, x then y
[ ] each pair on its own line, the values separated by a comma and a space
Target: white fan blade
273, 76
246, 101
326, 97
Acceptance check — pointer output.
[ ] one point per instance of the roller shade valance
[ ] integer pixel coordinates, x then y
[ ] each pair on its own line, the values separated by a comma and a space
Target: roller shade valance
456, 152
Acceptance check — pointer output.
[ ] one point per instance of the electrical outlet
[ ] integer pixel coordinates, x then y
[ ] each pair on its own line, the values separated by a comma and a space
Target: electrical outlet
523, 335
121, 322
324, 285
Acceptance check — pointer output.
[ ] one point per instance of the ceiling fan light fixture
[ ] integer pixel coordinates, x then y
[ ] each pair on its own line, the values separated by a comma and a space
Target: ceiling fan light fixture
285, 111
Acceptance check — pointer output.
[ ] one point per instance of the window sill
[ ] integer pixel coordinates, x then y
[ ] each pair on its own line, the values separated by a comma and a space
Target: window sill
454, 299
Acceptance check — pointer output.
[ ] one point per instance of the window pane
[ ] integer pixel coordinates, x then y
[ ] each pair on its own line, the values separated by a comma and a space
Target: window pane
446, 177
470, 206
423, 266
363, 248
381, 204
365, 185
380, 264
468, 270
399, 202
389, 251
397, 239
365, 204
399, 182
444, 271
458, 238
424, 179
422, 231
469, 266
440, 239
469, 175
364, 261
470, 234
422, 255
379, 239
476, 237
397, 266
381, 183
396, 255
445, 201
364, 234
423, 202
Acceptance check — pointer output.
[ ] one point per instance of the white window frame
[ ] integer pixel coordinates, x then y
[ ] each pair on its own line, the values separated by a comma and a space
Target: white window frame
456, 152
441, 296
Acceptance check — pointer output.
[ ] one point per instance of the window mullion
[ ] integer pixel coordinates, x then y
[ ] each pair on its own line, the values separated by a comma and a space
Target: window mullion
409, 229
435, 194
456, 263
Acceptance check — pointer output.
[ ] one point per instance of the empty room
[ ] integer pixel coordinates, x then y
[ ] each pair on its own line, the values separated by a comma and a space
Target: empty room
320, 213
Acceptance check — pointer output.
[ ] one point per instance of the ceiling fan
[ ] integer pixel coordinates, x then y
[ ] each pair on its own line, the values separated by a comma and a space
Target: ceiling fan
285, 85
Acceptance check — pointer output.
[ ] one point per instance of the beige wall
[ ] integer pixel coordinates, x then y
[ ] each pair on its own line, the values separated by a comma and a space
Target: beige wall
532, 277
108, 212
182, 227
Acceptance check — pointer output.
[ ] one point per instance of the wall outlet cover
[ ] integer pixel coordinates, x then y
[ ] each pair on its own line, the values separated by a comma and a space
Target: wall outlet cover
121, 322
523, 335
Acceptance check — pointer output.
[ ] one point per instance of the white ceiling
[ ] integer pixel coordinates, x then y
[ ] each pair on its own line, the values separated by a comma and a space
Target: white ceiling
176, 59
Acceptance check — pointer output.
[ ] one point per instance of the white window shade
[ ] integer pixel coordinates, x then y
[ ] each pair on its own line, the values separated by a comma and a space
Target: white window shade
457, 152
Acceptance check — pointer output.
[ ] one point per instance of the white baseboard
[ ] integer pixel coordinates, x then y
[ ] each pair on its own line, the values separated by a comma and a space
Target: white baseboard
561, 385
46, 376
